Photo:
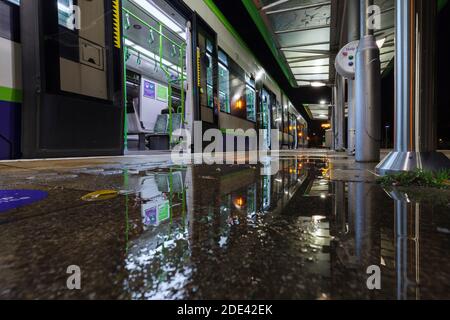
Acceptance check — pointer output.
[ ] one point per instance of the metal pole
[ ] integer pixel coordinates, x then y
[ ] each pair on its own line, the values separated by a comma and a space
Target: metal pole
368, 93
415, 110
340, 113
407, 251
333, 118
353, 33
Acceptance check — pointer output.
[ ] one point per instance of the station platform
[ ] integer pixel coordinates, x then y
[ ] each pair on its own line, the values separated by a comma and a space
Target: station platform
164, 231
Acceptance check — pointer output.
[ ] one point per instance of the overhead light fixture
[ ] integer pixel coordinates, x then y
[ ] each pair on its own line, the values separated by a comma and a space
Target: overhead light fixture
160, 16
260, 74
317, 84
381, 42
277, 3
323, 102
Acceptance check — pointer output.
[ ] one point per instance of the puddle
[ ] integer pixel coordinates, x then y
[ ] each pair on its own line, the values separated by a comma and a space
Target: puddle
226, 232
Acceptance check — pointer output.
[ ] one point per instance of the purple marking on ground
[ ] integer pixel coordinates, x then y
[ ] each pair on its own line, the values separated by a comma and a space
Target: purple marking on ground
13, 199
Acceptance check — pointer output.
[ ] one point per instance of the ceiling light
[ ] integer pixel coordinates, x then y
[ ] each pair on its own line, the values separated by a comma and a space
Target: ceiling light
317, 84
260, 74
323, 102
161, 16
277, 3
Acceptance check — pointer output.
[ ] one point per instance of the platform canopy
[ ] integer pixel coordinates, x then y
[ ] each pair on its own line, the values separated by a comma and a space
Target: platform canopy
307, 36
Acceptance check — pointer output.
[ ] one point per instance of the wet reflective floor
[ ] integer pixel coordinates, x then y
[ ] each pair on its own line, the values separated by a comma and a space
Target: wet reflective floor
220, 232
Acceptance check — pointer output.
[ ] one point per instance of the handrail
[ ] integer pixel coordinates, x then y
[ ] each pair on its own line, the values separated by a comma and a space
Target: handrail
153, 28
164, 68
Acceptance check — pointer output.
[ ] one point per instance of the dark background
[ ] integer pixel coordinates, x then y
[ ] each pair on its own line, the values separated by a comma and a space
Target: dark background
443, 67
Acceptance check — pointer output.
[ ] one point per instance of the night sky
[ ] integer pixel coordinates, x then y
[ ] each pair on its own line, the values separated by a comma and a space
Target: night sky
443, 67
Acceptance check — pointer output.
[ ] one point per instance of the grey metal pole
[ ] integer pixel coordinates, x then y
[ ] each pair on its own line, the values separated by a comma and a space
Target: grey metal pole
407, 232
333, 118
368, 93
353, 33
340, 113
415, 110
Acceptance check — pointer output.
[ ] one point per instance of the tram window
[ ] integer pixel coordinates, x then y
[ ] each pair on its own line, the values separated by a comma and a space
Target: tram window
66, 14
224, 88
251, 103
209, 46
14, 1
209, 81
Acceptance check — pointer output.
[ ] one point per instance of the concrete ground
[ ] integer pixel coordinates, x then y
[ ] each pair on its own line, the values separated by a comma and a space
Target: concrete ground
140, 227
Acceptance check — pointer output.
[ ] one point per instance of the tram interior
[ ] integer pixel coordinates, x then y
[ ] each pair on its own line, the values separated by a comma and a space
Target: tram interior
154, 52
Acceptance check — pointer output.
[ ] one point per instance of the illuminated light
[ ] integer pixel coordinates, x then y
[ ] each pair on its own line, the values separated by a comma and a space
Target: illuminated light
326, 126
160, 16
323, 196
317, 84
239, 202
317, 219
323, 102
260, 74
380, 43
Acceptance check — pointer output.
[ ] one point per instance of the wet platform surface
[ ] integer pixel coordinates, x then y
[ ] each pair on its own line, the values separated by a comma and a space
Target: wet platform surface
218, 232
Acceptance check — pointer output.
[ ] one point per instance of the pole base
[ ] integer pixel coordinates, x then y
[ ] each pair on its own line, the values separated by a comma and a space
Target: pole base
397, 162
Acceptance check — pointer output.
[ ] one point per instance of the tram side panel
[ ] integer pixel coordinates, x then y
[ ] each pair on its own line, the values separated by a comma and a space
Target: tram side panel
10, 81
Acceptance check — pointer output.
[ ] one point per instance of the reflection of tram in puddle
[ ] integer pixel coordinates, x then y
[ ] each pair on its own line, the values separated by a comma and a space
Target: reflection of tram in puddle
161, 195
244, 196
168, 197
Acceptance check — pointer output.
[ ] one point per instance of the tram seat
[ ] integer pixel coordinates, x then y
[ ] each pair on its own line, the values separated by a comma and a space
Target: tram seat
160, 138
135, 127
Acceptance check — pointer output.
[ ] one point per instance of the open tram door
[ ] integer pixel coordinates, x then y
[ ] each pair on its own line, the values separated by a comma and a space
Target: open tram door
72, 79
157, 89
207, 97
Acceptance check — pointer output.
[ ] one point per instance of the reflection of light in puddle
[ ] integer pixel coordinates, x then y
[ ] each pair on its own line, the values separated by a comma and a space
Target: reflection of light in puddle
156, 269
